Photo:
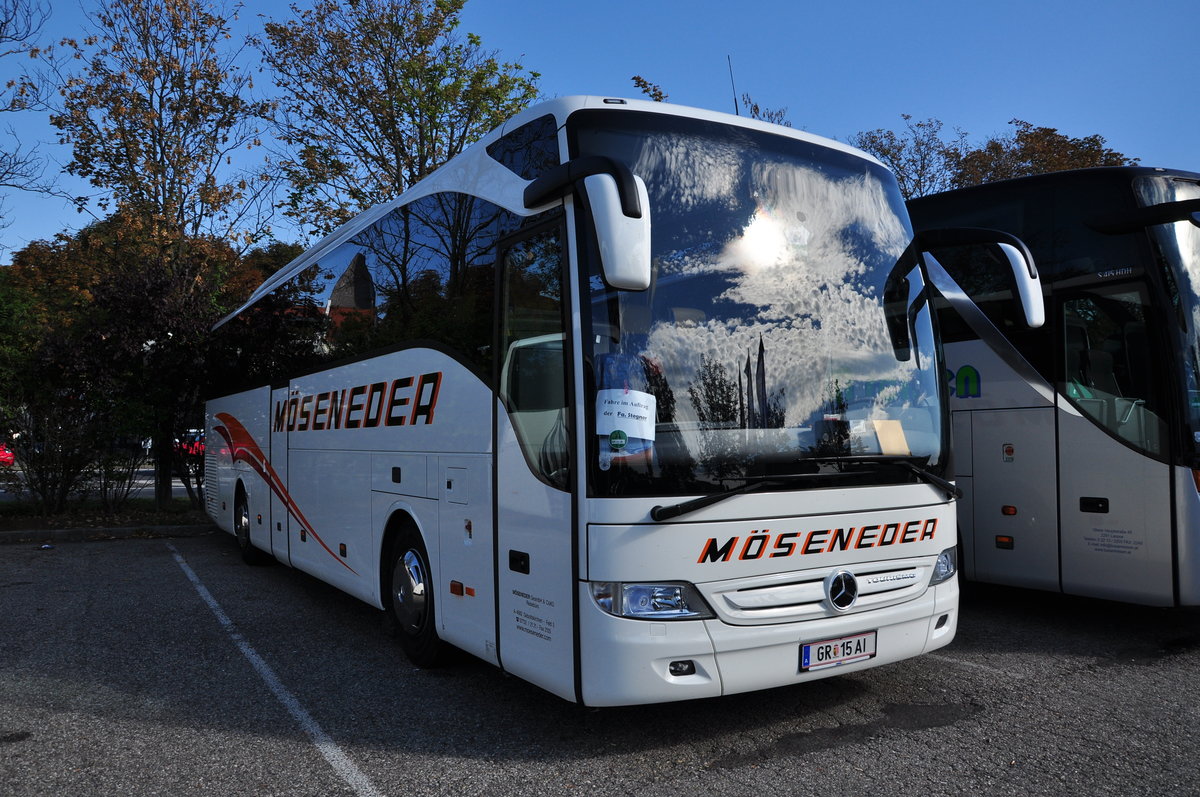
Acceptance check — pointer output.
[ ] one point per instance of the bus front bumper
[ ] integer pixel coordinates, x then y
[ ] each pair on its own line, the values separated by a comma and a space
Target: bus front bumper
629, 662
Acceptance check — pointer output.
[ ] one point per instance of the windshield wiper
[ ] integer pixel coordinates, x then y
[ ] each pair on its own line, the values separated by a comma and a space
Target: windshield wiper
949, 488
683, 507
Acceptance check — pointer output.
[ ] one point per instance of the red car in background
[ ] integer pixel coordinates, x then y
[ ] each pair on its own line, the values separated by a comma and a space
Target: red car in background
192, 443
6, 456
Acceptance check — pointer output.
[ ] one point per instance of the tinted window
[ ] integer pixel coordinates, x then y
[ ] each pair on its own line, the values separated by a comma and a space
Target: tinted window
425, 274
1053, 217
533, 374
529, 150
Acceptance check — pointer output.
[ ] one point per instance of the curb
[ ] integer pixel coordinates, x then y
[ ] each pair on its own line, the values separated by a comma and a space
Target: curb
94, 534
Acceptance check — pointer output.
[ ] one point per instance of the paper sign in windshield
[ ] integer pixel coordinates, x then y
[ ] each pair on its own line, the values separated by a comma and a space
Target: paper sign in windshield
628, 411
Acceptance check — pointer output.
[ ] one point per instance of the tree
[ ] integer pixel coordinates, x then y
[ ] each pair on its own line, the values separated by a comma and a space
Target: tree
111, 352
53, 399
651, 90
774, 116
923, 161
20, 21
157, 114
1033, 150
376, 94
753, 109
155, 117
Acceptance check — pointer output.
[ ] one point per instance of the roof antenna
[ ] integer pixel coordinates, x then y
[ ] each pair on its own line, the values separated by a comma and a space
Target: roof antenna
736, 110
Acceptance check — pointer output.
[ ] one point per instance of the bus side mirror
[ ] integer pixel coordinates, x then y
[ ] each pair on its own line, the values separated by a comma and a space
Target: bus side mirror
624, 239
1024, 279
1029, 284
619, 205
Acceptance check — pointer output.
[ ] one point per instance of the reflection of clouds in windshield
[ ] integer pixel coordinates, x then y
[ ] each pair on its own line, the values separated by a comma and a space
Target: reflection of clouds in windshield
766, 242
711, 171
802, 261
1181, 241
821, 228
1182, 236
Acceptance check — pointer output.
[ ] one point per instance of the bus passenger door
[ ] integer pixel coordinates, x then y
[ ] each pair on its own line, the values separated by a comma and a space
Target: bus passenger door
534, 521
278, 456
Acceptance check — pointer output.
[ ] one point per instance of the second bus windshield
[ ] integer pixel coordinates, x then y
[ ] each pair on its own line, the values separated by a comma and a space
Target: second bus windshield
761, 347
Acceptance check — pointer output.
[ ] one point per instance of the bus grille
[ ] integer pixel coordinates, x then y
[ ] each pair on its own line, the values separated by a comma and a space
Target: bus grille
794, 597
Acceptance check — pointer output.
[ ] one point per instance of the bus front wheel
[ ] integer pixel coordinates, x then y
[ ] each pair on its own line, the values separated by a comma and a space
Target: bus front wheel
411, 601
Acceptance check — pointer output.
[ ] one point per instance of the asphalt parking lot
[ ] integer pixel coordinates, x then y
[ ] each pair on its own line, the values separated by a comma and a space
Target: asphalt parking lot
167, 666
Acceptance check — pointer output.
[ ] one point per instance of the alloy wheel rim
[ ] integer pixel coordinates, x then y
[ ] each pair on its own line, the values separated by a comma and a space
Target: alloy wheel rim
408, 592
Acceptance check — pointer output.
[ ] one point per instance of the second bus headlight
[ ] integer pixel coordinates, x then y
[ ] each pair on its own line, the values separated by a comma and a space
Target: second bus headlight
642, 601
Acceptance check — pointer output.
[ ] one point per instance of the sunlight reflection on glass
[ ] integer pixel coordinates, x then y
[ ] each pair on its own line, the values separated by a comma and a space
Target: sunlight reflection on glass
763, 244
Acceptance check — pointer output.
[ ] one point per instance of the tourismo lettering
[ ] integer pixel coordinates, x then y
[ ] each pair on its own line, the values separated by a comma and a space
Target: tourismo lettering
766, 544
406, 401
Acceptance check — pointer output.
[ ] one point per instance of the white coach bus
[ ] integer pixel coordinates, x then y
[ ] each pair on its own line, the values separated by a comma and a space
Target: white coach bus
637, 402
1081, 466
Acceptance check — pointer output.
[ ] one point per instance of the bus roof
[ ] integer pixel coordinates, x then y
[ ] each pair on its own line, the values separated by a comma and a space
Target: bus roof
1097, 174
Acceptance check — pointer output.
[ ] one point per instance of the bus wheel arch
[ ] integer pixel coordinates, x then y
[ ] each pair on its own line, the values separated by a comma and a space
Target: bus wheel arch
407, 592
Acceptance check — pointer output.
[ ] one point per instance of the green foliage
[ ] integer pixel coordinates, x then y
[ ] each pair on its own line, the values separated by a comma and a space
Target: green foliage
376, 94
109, 352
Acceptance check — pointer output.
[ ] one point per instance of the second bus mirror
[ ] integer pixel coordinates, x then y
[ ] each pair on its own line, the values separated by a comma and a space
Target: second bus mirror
1029, 285
624, 241
1022, 272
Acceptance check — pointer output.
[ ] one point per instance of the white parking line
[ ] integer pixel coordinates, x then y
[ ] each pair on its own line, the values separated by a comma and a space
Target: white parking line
333, 754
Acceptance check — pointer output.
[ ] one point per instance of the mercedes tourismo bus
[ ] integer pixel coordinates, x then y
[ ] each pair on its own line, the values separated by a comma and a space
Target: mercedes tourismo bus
639, 403
1081, 472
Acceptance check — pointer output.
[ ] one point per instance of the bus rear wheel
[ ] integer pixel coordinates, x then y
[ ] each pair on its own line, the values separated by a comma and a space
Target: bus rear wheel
411, 602
241, 528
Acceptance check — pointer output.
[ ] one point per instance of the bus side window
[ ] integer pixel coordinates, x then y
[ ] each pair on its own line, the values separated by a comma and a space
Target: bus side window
533, 375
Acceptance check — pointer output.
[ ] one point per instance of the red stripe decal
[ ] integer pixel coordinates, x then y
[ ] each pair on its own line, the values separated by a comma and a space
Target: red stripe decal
243, 448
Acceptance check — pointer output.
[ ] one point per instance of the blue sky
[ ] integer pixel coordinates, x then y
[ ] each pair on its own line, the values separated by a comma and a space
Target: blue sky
1118, 69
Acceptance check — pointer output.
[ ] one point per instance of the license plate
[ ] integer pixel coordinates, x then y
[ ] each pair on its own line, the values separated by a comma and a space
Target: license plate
836, 652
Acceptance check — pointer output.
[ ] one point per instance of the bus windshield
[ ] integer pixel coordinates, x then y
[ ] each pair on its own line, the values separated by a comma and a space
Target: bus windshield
1179, 245
761, 346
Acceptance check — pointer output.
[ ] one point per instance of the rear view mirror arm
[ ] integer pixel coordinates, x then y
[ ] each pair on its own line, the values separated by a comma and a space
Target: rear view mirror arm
561, 180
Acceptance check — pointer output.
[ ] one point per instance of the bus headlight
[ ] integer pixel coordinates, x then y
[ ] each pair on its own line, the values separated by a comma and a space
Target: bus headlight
945, 567
672, 601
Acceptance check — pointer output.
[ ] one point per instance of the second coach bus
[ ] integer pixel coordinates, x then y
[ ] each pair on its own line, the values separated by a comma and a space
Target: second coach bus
639, 403
1082, 471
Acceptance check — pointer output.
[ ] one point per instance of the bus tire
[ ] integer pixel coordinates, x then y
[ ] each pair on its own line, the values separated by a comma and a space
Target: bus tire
241, 529
411, 602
